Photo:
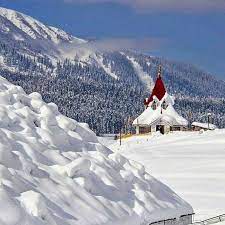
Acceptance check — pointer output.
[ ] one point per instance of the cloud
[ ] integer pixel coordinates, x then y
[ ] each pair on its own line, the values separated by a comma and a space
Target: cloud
112, 44
163, 5
121, 44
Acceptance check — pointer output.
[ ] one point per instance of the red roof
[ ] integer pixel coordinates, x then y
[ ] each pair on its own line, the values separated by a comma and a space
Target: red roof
159, 90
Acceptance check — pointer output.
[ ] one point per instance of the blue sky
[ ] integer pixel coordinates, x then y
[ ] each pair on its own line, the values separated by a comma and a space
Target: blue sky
187, 30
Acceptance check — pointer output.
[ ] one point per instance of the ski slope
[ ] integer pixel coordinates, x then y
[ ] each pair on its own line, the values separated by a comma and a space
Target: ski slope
143, 76
191, 163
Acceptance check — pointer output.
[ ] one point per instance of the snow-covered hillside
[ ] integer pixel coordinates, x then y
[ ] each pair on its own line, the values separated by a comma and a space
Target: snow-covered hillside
31, 37
54, 171
34, 38
192, 163
28, 26
143, 76
100, 87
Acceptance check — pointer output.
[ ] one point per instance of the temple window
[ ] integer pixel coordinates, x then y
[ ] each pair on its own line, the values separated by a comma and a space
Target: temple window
164, 105
154, 105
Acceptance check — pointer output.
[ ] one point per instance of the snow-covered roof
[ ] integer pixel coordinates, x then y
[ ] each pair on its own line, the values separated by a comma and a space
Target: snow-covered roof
54, 171
161, 116
209, 126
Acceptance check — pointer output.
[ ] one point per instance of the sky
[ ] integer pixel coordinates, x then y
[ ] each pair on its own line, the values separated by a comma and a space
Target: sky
191, 31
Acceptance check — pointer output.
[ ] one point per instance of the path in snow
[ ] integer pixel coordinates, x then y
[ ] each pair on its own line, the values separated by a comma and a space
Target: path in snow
192, 164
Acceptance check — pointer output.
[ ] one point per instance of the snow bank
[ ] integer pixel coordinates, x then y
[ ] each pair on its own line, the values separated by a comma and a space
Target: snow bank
54, 171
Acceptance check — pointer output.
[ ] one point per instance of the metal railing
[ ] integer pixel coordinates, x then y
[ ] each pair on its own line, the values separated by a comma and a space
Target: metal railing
212, 220
172, 221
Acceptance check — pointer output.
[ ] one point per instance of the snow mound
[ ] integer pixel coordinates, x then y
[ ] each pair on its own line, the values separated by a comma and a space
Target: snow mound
54, 171
79, 167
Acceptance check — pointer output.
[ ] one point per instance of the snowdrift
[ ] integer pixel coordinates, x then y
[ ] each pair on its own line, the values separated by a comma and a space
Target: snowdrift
54, 171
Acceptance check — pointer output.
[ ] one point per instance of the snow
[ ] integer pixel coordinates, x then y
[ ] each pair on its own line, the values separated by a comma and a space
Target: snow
191, 163
4, 66
143, 76
35, 29
18, 37
65, 36
204, 125
78, 167
107, 69
85, 55
160, 115
221, 223
54, 171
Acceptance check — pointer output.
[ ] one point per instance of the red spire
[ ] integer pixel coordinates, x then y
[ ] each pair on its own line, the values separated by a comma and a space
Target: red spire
159, 89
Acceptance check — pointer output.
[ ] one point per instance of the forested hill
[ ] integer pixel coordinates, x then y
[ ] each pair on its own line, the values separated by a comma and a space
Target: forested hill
102, 89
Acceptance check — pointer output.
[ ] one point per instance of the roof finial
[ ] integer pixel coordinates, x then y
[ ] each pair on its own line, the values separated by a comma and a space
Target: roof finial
160, 71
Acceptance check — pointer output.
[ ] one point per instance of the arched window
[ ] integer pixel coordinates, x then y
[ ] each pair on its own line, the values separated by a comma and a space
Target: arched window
154, 105
164, 105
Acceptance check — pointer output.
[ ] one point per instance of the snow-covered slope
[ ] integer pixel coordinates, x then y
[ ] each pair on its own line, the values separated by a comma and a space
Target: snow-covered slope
143, 76
34, 38
118, 82
33, 28
30, 37
192, 163
54, 171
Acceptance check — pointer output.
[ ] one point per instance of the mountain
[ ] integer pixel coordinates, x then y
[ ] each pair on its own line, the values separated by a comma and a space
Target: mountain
54, 171
31, 34
101, 88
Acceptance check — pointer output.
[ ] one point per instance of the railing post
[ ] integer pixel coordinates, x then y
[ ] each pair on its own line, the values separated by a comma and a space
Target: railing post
120, 136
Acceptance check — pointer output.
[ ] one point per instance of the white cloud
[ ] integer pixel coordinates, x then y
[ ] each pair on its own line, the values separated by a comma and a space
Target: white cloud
120, 44
116, 44
164, 5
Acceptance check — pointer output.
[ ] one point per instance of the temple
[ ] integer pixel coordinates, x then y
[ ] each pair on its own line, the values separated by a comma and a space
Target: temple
159, 113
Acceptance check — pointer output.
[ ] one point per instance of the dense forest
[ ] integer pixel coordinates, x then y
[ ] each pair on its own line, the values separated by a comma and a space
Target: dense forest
86, 92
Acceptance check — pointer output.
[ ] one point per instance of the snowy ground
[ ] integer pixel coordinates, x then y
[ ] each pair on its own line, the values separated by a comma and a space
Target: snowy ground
191, 163
54, 171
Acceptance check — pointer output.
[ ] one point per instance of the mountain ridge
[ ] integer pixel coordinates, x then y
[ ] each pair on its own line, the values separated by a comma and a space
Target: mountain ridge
35, 29
104, 89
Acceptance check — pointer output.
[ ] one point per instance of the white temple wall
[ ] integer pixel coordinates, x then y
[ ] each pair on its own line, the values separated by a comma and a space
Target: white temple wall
137, 130
167, 129
153, 129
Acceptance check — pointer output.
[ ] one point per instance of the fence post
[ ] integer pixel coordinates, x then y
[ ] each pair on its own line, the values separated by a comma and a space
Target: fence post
120, 136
